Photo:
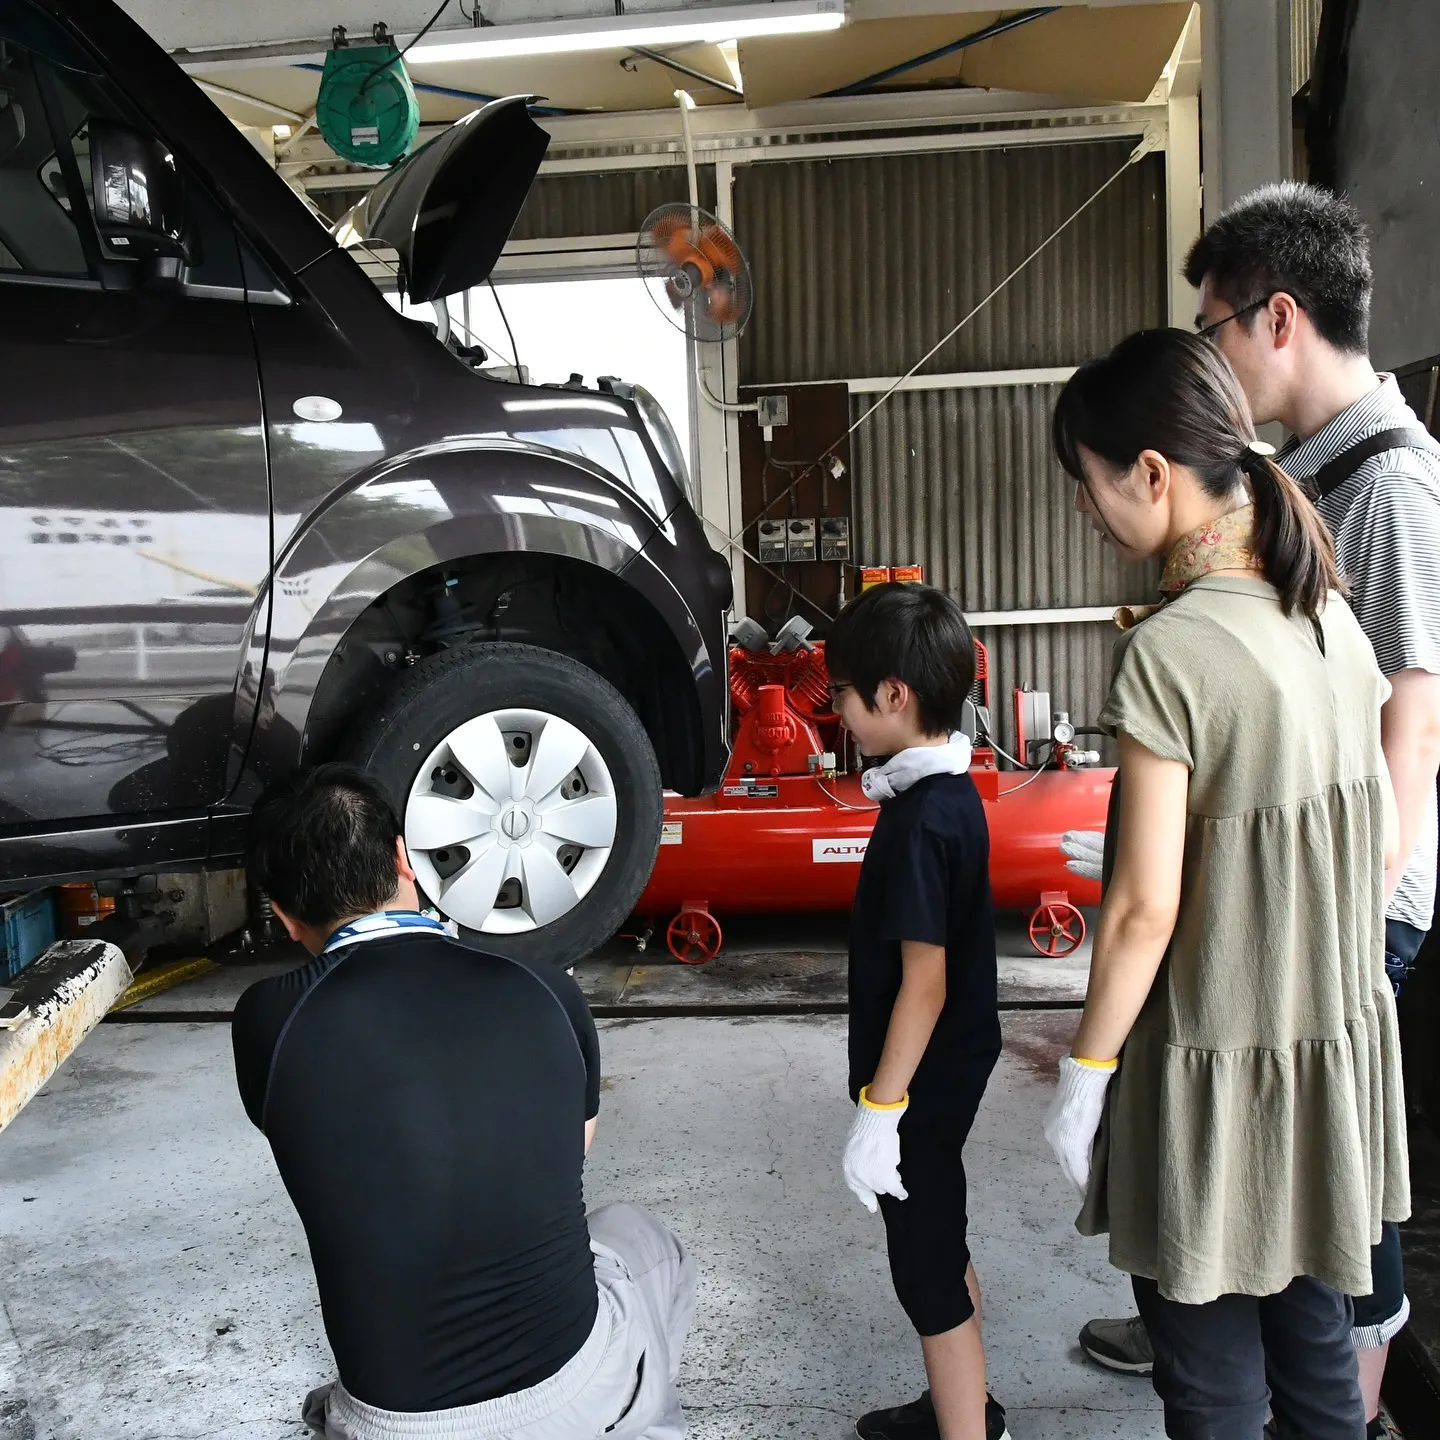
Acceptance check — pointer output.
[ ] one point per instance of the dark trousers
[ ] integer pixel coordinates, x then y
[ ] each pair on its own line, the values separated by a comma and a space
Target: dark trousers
1402, 945
1219, 1367
1378, 1312
926, 1234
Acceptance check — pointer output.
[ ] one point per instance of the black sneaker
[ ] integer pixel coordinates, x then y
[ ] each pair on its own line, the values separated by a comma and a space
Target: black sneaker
1121, 1345
995, 1420
916, 1421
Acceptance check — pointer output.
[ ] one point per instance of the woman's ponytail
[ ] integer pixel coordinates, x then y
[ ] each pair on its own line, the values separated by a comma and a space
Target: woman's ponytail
1292, 543
1173, 392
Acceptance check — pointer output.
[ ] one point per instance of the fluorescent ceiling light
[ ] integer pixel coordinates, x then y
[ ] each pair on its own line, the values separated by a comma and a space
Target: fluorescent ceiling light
702, 25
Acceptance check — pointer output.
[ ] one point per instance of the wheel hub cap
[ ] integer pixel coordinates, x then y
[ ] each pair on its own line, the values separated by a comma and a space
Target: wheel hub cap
510, 821
514, 824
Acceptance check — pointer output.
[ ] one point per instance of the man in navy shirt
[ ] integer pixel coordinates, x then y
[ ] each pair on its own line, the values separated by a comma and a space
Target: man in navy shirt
429, 1107
924, 1020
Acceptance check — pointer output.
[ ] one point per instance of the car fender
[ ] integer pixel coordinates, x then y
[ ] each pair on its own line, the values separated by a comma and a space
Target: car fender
653, 573
410, 514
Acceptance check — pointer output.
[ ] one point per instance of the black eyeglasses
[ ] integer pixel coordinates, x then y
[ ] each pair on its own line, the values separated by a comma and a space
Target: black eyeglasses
1207, 332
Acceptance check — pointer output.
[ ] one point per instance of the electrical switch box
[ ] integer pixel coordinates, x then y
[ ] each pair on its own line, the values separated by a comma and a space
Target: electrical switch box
773, 545
801, 540
1033, 720
772, 410
835, 537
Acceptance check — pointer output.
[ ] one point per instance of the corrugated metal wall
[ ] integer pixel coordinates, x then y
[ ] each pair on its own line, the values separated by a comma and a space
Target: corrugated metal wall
963, 482
982, 505
1071, 661
613, 202
861, 265
1304, 31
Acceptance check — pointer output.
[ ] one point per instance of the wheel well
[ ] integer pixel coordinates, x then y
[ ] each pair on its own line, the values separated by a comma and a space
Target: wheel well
548, 601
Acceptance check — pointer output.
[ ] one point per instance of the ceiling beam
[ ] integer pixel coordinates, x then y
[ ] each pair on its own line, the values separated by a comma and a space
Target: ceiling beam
1002, 26
680, 68
719, 129
1141, 124
268, 107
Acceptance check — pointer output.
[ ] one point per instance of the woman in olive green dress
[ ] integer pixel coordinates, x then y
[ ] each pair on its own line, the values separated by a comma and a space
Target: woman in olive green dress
1231, 1109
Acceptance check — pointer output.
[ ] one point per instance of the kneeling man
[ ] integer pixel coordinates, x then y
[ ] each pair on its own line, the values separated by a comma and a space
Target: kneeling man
429, 1107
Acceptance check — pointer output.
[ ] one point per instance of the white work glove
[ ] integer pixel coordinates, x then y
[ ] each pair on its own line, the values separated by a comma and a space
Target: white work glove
1084, 852
872, 1153
1074, 1118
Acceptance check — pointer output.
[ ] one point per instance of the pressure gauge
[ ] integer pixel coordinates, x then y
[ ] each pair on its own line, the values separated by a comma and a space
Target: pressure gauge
1064, 731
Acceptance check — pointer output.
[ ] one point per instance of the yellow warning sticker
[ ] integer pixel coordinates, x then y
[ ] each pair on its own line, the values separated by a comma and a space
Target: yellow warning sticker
672, 832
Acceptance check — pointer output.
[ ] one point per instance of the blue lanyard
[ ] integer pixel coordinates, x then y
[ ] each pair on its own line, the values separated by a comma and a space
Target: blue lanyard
382, 925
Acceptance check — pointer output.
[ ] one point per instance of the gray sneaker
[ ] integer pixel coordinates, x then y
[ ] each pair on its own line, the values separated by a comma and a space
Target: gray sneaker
1122, 1345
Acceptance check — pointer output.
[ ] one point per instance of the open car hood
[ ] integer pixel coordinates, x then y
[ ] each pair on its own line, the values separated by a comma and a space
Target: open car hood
449, 208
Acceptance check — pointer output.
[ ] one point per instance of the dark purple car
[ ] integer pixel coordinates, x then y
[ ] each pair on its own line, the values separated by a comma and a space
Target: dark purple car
253, 518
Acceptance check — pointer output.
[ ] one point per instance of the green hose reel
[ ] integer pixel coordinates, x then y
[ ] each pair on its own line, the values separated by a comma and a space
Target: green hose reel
367, 109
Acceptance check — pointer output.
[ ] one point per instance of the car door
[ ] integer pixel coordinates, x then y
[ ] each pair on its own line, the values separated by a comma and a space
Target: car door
134, 498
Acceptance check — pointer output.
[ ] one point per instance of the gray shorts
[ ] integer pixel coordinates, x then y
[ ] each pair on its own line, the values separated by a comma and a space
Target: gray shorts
622, 1384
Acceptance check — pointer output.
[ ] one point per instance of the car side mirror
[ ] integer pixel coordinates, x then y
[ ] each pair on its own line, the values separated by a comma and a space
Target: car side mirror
139, 197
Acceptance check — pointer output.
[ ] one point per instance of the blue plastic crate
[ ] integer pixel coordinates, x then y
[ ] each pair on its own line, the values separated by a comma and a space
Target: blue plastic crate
28, 930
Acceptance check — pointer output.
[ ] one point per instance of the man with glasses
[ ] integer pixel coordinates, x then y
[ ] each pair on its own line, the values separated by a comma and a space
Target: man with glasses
1285, 283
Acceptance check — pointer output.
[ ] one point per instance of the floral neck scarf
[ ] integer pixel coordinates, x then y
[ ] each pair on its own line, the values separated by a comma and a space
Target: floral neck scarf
1222, 544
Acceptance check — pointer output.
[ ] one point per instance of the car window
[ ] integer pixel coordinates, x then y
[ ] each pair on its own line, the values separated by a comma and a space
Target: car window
39, 217
38, 232
216, 256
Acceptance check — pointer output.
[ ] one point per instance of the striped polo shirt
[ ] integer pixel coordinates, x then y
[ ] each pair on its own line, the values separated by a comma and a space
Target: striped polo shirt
1386, 523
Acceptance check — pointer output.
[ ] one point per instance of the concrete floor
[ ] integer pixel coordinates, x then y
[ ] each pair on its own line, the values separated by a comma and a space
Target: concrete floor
766, 959
156, 1282
800, 958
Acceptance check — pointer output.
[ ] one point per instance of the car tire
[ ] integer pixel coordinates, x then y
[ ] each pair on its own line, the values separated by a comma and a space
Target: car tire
446, 692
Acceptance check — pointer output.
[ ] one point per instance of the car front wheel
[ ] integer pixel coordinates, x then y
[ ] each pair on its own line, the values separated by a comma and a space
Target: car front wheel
528, 792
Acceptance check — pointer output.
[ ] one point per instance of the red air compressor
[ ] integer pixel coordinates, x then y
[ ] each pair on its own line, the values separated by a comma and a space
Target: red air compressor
788, 828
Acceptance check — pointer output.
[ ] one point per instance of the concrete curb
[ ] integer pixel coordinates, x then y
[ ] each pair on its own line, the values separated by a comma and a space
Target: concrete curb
66, 992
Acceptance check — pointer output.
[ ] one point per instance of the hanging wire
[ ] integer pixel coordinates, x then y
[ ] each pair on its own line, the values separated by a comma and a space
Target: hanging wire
514, 349
1142, 149
1006, 755
424, 31
834, 798
1006, 794
471, 336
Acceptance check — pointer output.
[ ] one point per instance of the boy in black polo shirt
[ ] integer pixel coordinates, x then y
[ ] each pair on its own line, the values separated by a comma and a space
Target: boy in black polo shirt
924, 1023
